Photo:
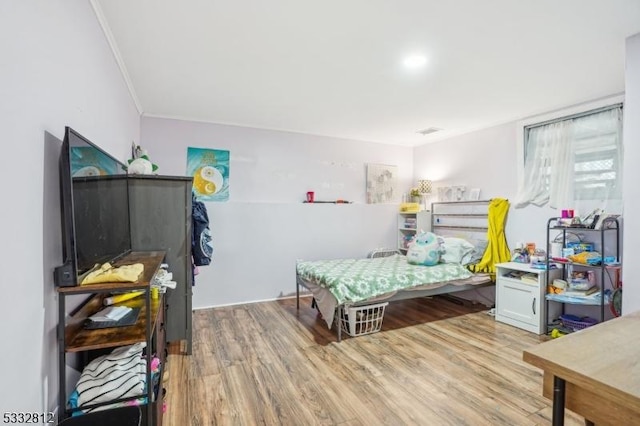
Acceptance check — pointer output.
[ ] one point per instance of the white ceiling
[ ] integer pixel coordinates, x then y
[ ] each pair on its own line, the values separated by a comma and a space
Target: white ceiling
334, 67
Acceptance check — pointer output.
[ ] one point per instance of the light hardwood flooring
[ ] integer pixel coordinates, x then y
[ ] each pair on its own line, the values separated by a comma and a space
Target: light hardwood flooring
434, 363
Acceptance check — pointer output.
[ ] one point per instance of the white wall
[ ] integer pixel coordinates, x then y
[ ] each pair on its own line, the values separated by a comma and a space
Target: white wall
485, 159
631, 286
56, 70
264, 227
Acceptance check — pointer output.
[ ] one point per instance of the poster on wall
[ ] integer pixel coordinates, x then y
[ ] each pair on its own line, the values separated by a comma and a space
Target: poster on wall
382, 183
210, 171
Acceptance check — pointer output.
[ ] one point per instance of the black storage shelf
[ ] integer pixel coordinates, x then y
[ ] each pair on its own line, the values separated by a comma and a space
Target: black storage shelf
609, 229
148, 328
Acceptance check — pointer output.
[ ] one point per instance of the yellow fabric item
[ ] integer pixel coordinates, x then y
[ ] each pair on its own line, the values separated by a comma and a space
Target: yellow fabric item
497, 249
584, 257
108, 274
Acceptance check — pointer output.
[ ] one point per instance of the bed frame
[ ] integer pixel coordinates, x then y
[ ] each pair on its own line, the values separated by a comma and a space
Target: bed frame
461, 219
400, 295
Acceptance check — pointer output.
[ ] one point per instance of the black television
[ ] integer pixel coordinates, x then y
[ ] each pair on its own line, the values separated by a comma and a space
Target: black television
94, 198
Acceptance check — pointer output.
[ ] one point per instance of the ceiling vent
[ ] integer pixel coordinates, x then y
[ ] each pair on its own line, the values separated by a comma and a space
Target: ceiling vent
428, 131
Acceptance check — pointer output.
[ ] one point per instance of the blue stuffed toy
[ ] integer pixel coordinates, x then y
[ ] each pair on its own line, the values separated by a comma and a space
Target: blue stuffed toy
425, 249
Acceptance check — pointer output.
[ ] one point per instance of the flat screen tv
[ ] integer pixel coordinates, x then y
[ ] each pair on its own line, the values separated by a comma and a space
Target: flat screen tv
94, 199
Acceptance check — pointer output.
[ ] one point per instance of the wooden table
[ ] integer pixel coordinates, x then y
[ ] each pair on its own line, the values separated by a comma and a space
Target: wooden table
594, 372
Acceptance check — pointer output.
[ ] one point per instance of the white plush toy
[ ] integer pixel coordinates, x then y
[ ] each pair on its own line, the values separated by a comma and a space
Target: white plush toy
425, 249
140, 166
140, 163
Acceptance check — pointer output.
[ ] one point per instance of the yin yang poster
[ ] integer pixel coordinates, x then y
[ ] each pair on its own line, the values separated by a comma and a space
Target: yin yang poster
210, 171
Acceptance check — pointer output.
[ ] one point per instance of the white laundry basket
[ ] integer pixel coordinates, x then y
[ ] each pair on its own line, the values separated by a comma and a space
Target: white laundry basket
360, 320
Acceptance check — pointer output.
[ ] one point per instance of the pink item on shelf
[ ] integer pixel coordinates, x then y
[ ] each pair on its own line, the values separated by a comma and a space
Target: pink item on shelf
155, 363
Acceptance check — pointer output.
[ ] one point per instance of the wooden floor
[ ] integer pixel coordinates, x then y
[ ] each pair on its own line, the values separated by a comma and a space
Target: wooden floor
434, 363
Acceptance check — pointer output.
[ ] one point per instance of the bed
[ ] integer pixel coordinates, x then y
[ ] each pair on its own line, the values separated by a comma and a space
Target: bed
337, 284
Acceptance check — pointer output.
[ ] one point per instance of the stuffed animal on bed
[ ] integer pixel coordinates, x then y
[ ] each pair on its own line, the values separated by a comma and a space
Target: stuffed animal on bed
425, 249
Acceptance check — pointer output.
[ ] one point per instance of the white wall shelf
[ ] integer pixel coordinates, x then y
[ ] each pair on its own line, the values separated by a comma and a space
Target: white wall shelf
409, 224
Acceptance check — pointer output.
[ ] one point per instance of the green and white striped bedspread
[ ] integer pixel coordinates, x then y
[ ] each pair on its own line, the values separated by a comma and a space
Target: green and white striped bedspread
354, 280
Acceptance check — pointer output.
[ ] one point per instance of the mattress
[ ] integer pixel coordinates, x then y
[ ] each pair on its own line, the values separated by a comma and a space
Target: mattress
355, 281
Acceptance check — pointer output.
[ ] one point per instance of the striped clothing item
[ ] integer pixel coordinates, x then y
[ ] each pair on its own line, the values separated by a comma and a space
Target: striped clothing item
120, 374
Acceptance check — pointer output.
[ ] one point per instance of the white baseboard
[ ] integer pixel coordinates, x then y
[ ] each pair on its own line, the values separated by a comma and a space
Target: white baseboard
305, 293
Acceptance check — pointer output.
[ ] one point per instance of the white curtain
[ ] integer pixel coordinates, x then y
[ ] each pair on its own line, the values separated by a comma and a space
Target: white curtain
573, 160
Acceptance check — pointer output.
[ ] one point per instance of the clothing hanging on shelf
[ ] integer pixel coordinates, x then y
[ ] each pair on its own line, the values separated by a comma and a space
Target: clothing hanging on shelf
201, 240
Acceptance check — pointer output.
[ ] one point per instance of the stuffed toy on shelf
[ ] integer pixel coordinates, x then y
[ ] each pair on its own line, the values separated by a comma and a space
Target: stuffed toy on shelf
140, 163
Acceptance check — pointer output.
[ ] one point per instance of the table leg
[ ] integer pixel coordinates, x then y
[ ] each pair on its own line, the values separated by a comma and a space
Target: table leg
588, 423
558, 401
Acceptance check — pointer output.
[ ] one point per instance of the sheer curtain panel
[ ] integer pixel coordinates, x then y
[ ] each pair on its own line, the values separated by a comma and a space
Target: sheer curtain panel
573, 162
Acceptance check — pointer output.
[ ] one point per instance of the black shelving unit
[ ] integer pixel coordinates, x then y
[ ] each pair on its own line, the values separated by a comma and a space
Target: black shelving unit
607, 242
149, 328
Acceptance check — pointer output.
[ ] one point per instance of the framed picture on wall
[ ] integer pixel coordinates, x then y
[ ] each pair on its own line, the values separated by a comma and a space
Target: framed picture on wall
382, 183
210, 171
444, 194
474, 194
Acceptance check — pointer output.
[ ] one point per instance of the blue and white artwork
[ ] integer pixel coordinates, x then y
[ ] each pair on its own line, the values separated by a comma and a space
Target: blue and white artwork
210, 171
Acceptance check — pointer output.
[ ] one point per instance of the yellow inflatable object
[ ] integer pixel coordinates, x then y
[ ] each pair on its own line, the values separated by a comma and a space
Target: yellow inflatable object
108, 274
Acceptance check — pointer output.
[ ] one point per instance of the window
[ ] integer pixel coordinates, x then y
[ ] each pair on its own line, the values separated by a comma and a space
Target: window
573, 158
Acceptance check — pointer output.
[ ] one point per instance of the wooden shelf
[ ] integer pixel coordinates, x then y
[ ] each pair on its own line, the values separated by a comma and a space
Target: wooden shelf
79, 339
151, 261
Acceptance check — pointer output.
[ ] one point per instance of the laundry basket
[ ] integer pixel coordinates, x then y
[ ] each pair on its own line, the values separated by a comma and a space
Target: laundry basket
360, 320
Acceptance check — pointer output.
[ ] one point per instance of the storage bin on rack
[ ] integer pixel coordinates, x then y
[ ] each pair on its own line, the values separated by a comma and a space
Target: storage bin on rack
360, 320
579, 247
576, 323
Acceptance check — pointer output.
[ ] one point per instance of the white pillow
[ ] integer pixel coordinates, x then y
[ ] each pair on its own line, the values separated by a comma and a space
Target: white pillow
480, 246
455, 250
